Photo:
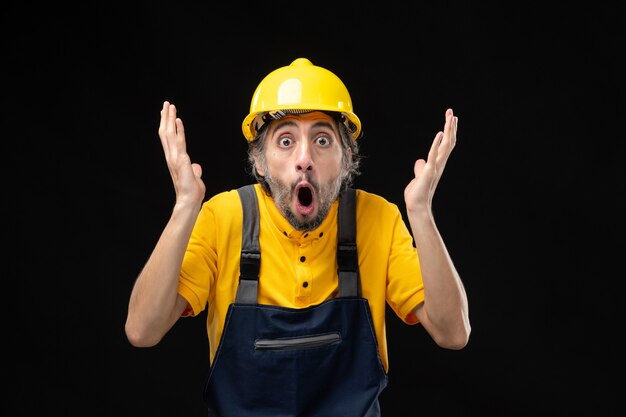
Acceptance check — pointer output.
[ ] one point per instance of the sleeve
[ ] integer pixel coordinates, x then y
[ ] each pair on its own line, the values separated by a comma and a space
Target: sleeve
405, 287
199, 267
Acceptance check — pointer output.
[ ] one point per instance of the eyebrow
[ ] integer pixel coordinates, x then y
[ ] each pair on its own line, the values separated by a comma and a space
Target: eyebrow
315, 125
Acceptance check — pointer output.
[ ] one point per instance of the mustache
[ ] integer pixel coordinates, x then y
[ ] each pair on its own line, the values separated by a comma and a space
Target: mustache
305, 177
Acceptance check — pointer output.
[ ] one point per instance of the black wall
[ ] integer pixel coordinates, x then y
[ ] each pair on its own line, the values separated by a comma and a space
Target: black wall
530, 204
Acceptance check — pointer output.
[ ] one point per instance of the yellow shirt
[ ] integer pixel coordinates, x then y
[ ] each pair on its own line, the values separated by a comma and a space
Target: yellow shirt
299, 269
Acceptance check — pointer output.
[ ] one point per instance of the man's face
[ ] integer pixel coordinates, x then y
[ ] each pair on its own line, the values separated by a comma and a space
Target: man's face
303, 167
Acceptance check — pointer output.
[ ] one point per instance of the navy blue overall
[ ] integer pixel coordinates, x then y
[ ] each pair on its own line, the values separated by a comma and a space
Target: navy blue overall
285, 362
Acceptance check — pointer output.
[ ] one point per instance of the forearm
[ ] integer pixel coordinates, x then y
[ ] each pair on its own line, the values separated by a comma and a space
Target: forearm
153, 307
444, 312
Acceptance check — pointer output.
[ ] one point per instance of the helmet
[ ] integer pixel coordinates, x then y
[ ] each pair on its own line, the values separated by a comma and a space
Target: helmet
298, 88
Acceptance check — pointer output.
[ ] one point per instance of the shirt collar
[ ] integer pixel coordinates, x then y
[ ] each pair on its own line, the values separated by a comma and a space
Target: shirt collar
286, 229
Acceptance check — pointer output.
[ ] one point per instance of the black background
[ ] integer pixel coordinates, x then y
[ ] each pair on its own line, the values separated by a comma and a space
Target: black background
530, 204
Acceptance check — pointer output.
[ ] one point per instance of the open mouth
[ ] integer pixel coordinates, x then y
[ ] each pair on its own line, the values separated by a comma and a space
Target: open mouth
305, 196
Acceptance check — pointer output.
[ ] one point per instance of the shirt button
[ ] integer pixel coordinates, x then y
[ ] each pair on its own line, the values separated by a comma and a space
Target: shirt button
302, 258
305, 284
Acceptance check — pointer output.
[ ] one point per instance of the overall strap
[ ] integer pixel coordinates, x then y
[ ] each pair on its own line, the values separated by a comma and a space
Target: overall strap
347, 259
250, 260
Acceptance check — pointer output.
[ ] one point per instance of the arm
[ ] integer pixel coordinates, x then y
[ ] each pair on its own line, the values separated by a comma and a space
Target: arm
155, 304
444, 312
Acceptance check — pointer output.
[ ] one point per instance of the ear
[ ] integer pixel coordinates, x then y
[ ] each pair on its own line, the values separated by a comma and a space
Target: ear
258, 167
348, 157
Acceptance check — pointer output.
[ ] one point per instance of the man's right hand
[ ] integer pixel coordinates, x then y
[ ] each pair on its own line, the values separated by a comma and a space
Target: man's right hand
188, 184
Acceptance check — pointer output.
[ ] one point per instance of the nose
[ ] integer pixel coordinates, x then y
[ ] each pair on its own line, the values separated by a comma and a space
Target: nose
304, 160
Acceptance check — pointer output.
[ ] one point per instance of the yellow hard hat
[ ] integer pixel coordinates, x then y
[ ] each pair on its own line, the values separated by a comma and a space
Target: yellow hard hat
299, 88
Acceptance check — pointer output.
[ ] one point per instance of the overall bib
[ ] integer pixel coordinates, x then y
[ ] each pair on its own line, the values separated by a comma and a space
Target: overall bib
319, 361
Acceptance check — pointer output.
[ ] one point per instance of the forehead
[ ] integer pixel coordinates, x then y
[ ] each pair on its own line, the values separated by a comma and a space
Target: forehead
315, 118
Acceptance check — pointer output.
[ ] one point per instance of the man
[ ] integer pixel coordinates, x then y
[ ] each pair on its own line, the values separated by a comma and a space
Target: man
297, 269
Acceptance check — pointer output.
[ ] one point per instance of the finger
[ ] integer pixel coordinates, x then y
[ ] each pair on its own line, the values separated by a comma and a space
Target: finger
171, 121
448, 141
418, 167
163, 125
434, 148
164, 111
197, 170
434, 164
170, 131
449, 130
181, 144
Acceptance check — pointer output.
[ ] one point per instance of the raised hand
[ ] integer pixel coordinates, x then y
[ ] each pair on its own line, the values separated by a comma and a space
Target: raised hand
186, 175
418, 194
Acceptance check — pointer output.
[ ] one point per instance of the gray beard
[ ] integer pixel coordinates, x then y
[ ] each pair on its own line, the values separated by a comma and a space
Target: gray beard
283, 193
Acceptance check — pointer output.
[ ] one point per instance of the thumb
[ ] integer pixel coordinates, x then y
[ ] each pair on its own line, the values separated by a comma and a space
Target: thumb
418, 167
197, 170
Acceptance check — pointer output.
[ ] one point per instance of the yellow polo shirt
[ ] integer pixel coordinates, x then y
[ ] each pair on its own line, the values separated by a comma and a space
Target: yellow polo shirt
299, 269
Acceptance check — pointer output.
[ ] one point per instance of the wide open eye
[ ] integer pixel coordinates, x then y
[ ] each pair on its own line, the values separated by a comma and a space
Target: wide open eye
323, 141
285, 141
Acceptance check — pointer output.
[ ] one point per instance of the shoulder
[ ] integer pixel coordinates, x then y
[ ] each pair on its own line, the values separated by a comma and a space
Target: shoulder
226, 204
372, 203
375, 212
226, 200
